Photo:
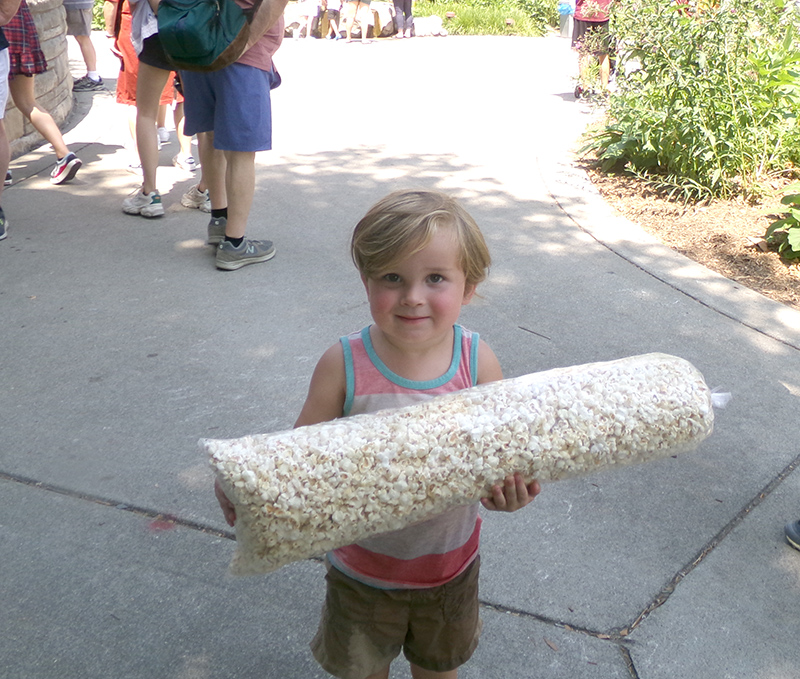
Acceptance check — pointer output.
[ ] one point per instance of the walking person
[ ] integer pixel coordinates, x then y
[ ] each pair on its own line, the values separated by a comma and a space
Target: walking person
27, 60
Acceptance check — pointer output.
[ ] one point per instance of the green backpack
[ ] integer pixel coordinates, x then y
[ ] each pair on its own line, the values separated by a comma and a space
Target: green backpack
203, 35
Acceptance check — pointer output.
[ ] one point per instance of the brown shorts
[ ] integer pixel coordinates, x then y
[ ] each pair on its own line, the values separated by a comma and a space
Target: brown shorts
364, 628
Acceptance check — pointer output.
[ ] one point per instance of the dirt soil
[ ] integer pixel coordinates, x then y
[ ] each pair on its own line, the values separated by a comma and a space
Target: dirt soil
725, 236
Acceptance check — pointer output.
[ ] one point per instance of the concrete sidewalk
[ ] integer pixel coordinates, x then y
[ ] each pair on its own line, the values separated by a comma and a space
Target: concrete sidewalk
122, 345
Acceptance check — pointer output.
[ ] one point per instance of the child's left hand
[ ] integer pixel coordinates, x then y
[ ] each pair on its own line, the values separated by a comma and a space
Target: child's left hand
514, 494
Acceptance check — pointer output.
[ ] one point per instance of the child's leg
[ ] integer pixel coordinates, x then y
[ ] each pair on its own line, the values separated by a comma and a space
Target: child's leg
383, 674
419, 673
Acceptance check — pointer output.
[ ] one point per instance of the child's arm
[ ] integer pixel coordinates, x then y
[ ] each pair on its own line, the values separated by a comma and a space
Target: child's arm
325, 401
514, 494
326, 393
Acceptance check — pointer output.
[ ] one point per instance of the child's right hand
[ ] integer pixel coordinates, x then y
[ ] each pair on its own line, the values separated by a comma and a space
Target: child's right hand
228, 510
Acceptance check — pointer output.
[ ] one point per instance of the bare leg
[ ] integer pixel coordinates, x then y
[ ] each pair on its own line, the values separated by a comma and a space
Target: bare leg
149, 85
21, 89
383, 674
87, 51
240, 185
605, 70
5, 154
419, 673
348, 26
183, 141
213, 166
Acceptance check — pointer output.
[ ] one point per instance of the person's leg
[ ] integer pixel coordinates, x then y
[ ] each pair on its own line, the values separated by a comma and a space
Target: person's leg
409, 17
349, 18
363, 17
183, 141
240, 187
5, 159
149, 85
605, 70
21, 89
5, 154
87, 52
213, 165
161, 119
418, 672
383, 674
399, 20
5, 149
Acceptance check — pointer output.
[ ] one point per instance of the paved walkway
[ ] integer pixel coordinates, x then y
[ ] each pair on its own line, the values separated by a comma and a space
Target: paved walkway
122, 345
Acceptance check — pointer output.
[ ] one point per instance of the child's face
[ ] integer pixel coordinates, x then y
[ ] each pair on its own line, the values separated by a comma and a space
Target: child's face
417, 301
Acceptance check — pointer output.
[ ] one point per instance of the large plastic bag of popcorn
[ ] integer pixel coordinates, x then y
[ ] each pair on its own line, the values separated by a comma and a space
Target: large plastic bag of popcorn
302, 492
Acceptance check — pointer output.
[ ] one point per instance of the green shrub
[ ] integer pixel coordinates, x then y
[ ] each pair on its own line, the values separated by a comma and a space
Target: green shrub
712, 112
98, 22
785, 232
489, 17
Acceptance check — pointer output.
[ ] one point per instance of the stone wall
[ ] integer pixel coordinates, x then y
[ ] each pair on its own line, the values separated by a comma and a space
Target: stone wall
54, 86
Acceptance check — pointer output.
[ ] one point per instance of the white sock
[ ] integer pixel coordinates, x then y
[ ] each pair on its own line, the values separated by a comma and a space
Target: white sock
94, 75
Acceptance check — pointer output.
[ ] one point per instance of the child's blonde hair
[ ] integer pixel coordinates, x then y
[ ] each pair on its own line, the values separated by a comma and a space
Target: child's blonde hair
404, 222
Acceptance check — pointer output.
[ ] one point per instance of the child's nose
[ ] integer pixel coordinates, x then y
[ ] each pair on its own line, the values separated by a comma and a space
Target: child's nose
412, 295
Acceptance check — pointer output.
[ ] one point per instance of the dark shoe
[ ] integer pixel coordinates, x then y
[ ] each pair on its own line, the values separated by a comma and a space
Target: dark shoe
793, 534
3, 224
9, 179
86, 84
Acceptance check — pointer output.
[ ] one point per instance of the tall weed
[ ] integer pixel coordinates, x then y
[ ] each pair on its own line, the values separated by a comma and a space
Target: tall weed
708, 95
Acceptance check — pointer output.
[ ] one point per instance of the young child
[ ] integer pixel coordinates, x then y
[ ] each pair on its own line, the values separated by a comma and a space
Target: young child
421, 257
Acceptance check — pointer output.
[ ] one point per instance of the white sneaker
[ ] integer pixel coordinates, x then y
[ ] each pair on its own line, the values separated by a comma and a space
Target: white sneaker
185, 163
194, 198
163, 135
146, 205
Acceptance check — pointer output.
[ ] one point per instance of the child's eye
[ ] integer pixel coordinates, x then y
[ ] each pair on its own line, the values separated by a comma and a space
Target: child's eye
436, 278
391, 278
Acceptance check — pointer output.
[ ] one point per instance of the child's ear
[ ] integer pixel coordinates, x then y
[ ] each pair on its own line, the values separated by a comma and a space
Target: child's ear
469, 293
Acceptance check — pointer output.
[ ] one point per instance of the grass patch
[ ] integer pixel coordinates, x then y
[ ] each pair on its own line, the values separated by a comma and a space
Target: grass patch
480, 18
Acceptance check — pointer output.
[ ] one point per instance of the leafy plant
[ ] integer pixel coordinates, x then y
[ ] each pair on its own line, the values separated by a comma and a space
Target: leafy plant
490, 17
785, 232
98, 20
708, 96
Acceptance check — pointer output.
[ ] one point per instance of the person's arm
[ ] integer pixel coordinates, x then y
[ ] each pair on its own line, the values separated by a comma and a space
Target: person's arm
326, 393
514, 493
324, 402
8, 8
268, 12
109, 15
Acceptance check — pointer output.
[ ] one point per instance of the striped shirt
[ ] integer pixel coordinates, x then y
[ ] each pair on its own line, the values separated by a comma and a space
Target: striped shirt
432, 552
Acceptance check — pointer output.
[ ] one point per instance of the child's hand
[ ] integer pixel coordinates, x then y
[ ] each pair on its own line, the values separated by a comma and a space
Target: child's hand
512, 495
228, 510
